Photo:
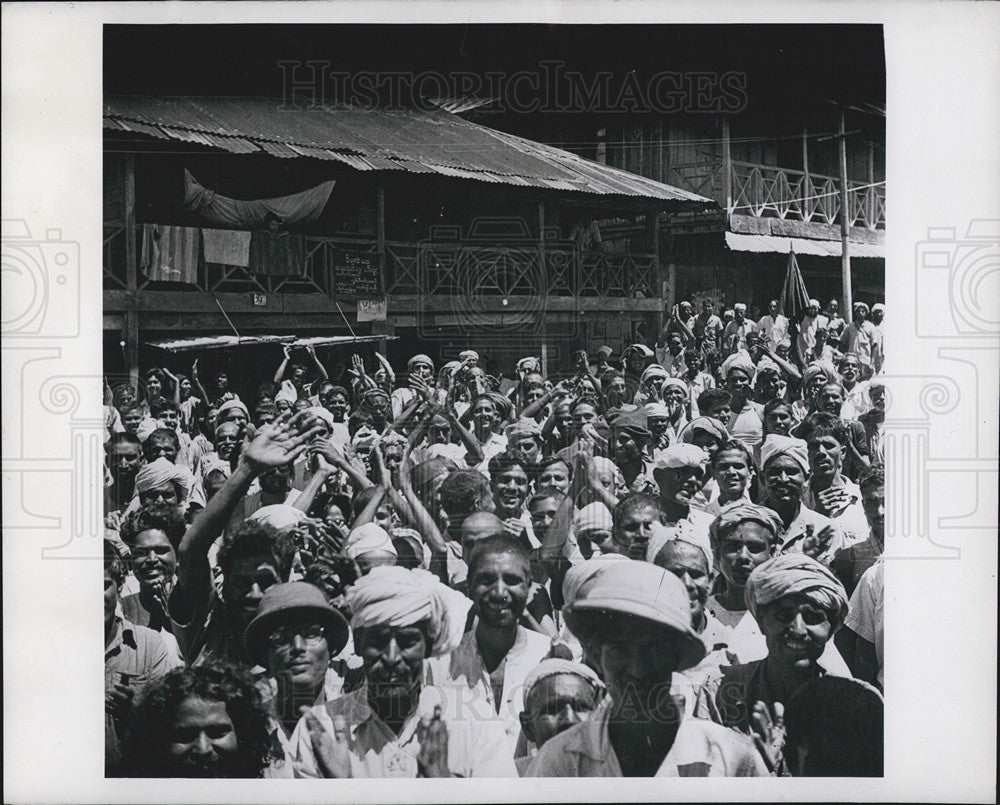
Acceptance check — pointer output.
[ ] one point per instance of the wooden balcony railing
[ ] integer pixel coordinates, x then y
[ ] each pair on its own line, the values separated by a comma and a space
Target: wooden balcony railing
345, 268
769, 191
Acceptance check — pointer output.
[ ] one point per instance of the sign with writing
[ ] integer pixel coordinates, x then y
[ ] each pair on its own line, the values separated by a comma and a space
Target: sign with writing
372, 309
356, 273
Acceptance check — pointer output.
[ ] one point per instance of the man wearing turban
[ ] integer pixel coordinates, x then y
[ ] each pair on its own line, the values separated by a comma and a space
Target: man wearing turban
784, 473
746, 422
162, 481
734, 338
680, 472
405, 720
799, 605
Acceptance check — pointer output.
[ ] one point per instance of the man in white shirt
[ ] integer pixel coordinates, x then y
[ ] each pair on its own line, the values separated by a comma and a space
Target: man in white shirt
773, 327
403, 722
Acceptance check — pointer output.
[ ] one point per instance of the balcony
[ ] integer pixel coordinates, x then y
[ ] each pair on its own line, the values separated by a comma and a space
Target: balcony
349, 268
766, 191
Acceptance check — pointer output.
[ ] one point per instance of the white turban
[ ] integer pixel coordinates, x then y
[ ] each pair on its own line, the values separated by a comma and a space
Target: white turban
683, 531
367, 538
592, 517
651, 371
527, 364
522, 428
740, 361
418, 359
280, 516
161, 472
681, 454
642, 349
228, 405
673, 381
776, 445
396, 596
321, 413
655, 409
554, 666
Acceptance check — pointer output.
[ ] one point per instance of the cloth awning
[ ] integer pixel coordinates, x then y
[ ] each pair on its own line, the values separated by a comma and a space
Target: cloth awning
738, 242
224, 341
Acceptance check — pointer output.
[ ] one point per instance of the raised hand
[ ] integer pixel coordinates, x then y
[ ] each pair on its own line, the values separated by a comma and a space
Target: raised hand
768, 726
283, 440
332, 752
287, 350
194, 370
432, 761
816, 544
326, 451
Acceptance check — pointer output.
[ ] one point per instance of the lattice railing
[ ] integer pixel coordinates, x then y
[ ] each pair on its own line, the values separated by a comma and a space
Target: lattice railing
769, 191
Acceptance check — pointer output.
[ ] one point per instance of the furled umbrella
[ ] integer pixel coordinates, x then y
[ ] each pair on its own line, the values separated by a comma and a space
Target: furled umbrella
794, 296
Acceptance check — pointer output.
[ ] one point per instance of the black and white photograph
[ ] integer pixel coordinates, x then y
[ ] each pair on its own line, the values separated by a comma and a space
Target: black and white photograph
506, 400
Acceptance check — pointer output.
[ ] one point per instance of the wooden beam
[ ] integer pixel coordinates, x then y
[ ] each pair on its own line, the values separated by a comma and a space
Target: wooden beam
727, 166
845, 227
131, 321
380, 234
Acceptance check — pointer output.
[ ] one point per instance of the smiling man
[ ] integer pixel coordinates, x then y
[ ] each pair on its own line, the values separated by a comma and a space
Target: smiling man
680, 473
252, 558
293, 636
494, 658
829, 491
785, 472
799, 605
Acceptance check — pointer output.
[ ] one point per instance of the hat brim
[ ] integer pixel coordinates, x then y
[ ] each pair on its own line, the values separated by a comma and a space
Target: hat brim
333, 623
692, 647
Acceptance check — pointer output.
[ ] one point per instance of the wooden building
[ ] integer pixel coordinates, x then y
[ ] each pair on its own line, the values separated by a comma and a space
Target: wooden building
439, 232
778, 174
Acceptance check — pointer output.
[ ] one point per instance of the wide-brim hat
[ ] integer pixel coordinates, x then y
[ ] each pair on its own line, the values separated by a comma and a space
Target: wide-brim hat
637, 589
282, 601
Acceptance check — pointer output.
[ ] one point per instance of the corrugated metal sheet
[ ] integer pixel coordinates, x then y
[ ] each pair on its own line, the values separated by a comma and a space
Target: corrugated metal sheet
224, 341
738, 242
218, 342
380, 139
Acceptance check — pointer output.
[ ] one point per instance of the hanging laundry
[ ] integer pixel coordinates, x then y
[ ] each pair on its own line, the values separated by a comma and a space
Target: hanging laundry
229, 247
277, 254
298, 208
170, 253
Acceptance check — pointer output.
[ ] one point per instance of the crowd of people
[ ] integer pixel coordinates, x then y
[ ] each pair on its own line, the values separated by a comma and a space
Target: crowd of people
664, 561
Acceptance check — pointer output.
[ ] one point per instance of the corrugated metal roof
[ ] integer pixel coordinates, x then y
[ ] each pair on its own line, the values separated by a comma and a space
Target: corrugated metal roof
379, 139
738, 242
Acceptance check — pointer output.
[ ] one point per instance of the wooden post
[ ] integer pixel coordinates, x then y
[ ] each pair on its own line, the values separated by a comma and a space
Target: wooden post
380, 236
806, 183
543, 327
653, 245
727, 166
130, 320
845, 227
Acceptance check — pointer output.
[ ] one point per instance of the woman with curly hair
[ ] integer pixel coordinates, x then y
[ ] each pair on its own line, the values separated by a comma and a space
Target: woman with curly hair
201, 722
